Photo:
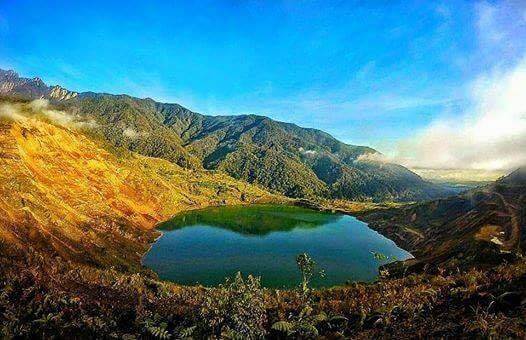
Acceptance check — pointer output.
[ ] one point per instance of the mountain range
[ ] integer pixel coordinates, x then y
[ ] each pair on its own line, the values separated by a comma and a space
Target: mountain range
86, 177
281, 157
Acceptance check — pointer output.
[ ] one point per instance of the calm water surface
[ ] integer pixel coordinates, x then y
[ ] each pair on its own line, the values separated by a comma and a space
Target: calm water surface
205, 246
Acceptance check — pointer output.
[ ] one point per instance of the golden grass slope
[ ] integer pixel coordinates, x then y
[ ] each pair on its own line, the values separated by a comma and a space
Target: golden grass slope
62, 192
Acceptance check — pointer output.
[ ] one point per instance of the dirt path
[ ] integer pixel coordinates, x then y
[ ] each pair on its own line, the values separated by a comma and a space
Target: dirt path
514, 237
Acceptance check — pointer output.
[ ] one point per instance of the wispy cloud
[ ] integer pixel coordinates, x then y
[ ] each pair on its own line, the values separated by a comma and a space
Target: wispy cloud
39, 108
488, 24
490, 134
134, 134
11, 112
500, 28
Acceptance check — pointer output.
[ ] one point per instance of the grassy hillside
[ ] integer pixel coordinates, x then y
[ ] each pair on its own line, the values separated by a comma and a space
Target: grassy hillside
62, 191
482, 226
294, 161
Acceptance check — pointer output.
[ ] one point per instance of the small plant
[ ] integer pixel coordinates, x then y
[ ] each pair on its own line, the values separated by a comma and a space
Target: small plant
158, 332
236, 309
187, 332
306, 265
379, 256
303, 326
306, 323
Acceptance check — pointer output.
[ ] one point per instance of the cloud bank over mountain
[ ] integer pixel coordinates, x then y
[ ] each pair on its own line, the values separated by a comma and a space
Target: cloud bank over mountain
489, 132
23, 111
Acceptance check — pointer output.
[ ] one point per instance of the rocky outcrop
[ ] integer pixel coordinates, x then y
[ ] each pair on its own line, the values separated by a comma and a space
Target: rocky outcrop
60, 93
31, 88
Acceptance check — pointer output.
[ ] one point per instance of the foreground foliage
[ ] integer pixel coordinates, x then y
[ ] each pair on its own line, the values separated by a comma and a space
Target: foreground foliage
40, 297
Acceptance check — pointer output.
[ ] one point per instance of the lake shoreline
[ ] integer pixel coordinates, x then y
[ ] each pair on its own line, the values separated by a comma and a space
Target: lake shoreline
291, 229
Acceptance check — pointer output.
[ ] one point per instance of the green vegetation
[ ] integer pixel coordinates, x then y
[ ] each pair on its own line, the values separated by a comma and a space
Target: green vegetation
306, 265
379, 256
306, 323
234, 310
85, 210
42, 297
281, 157
251, 220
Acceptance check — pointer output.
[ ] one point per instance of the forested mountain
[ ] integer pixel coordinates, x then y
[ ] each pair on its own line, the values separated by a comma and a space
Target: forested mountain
286, 158
77, 214
68, 195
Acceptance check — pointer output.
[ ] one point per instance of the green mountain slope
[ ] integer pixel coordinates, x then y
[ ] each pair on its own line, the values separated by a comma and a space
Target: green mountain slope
283, 157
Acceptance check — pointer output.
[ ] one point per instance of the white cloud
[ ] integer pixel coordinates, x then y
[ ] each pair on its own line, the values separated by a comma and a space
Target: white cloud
133, 134
40, 108
39, 104
374, 157
10, 112
394, 102
308, 152
490, 134
130, 133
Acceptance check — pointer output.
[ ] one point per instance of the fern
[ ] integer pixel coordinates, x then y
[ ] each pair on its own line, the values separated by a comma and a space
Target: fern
308, 329
322, 317
158, 332
187, 332
283, 326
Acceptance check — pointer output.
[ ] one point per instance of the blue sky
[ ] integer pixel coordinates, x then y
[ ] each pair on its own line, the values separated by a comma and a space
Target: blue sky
368, 72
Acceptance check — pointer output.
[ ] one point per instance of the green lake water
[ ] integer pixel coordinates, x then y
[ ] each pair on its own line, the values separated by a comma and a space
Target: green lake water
205, 246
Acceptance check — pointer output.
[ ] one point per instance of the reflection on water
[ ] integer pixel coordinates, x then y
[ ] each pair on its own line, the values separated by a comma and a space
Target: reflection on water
205, 246
252, 219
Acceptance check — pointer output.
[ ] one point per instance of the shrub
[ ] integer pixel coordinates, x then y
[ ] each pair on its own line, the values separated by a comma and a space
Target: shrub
236, 309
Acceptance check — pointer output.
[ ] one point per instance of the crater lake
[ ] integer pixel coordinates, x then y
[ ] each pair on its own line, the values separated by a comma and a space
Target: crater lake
206, 246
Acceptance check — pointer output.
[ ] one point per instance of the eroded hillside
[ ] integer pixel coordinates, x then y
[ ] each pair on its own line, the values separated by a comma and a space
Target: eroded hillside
63, 192
481, 226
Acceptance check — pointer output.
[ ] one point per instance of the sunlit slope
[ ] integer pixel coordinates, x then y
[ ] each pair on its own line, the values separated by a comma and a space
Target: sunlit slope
63, 192
295, 161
